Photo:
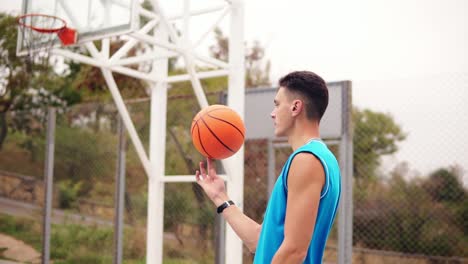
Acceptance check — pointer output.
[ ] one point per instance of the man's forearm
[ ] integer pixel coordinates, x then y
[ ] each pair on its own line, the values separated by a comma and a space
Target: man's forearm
247, 229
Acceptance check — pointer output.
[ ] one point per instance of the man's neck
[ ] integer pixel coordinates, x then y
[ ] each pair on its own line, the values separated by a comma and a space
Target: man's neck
302, 135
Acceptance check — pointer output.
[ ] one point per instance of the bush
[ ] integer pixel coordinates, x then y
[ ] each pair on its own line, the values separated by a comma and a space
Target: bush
68, 193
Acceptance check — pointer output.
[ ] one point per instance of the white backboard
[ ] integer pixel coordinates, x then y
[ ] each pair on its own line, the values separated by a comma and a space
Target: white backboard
92, 19
259, 104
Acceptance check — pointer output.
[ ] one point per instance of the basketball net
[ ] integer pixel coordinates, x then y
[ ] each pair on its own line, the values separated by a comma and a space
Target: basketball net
39, 35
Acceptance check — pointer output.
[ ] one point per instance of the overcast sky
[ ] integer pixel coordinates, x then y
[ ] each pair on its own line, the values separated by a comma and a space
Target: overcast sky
408, 58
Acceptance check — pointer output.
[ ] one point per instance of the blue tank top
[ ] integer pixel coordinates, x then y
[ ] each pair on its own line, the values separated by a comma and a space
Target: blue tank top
272, 233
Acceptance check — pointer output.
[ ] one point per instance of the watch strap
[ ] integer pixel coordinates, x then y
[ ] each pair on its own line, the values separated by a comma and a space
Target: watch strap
224, 205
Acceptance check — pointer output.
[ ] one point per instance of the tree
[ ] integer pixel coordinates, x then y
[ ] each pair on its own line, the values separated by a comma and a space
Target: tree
91, 81
375, 134
25, 88
12, 71
400, 215
445, 185
257, 71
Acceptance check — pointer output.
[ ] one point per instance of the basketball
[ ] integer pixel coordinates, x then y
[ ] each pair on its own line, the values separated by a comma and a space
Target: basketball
217, 132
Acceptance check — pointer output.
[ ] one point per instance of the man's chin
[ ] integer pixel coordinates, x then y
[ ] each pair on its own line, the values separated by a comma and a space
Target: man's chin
278, 133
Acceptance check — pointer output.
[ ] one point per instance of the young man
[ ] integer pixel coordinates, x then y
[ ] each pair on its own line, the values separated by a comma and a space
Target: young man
304, 200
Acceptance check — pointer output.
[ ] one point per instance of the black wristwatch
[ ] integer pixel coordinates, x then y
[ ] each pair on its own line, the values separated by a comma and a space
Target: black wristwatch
224, 205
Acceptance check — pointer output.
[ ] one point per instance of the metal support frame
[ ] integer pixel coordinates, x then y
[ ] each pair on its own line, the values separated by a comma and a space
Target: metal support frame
48, 183
119, 201
166, 44
271, 166
155, 223
345, 220
236, 100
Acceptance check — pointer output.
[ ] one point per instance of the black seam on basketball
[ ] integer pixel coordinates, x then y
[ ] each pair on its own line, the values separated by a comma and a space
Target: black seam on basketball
216, 136
201, 142
227, 122
193, 126
196, 121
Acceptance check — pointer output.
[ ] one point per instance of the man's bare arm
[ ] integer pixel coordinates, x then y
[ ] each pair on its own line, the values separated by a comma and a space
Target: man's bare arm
247, 229
305, 181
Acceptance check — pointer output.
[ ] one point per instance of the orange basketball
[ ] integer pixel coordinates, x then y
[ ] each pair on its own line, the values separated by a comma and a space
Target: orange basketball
217, 132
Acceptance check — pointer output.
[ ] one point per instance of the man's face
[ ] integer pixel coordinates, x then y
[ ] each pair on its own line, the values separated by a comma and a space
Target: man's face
282, 112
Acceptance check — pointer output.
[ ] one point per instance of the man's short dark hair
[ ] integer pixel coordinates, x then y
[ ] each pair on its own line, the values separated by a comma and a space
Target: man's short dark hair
312, 88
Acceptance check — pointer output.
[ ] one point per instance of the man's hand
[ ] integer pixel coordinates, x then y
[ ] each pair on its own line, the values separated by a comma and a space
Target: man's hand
214, 187
211, 183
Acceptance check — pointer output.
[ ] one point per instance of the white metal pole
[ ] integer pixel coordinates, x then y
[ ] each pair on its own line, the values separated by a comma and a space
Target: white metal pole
126, 119
113, 88
132, 42
105, 50
212, 28
178, 48
236, 100
189, 63
155, 223
143, 58
155, 228
135, 73
186, 51
201, 75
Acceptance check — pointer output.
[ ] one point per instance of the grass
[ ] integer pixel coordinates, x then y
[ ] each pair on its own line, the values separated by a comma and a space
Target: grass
23, 229
14, 155
71, 243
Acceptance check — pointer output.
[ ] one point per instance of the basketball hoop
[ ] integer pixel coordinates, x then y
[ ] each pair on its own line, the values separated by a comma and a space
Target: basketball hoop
39, 36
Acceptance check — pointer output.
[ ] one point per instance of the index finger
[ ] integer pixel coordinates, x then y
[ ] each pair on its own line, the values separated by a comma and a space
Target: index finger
209, 164
211, 167
202, 169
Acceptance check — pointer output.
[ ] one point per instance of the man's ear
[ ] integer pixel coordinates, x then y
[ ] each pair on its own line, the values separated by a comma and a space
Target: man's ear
297, 106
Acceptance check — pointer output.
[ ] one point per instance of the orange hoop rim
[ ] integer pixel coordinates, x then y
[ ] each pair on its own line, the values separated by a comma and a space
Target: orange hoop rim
21, 22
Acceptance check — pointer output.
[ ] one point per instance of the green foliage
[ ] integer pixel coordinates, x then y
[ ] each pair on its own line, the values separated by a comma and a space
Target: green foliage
138, 203
87, 258
13, 77
375, 134
178, 201
462, 216
92, 86
81, 151
21, 229
27, 87
68, 193
402, 216
76, 244
445, 185
71, 243
257, 68
89, 82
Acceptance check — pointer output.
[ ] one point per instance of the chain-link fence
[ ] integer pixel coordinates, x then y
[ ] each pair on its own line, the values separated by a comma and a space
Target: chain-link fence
22, 190
410, 192
397, 219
